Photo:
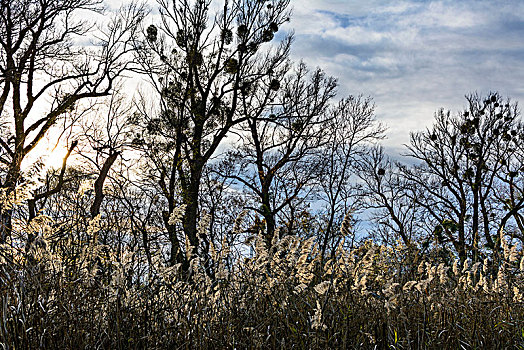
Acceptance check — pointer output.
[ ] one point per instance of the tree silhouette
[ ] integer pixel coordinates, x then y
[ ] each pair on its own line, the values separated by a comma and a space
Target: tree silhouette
469, 178
39, 60
278, 160
212, 72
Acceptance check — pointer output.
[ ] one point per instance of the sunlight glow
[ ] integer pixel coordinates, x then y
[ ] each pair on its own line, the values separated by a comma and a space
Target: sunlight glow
51, 154
55, 157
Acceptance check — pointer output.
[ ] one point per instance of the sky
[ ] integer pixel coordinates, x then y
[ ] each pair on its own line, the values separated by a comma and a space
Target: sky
412, 57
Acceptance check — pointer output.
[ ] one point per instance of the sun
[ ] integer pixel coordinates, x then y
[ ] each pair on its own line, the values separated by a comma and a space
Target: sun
51, 155
55, 158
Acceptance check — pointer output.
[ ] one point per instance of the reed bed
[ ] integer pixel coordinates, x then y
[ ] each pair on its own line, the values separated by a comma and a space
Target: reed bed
69, 293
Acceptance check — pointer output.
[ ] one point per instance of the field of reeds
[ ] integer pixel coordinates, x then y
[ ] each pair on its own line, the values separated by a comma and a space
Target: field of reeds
67, 290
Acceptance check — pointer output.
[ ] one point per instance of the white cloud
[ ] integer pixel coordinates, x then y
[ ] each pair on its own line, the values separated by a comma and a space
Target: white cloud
439, 14
414, 57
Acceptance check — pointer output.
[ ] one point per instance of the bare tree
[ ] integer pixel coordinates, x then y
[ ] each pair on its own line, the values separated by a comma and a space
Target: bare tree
388, 198
279, 156
468, 172
351, 128
103, 139
39, 60
201, 63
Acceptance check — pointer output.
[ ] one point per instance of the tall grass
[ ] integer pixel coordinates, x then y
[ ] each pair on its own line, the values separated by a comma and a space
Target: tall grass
69, 291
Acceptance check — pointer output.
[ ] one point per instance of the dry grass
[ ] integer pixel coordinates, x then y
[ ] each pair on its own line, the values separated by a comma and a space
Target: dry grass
67, 292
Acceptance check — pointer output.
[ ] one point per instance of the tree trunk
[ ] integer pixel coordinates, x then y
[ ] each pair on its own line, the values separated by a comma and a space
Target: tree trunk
268, 215
99, 183
190, 197
475, 226
176, 255
9, 186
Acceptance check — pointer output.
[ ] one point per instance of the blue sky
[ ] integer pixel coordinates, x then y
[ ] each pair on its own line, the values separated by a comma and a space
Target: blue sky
414, 57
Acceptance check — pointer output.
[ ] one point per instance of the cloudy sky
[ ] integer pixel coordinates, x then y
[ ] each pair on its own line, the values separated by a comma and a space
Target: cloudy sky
414, 57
